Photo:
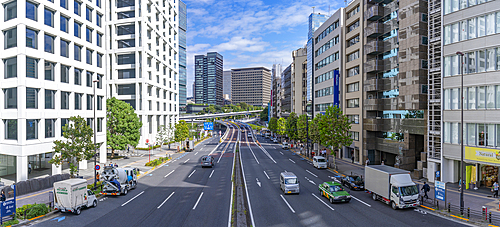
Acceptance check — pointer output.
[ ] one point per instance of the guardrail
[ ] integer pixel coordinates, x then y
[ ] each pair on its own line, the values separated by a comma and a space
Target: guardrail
465, 214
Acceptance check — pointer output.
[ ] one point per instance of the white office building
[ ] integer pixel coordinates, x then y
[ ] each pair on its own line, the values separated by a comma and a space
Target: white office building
144, 61
48, 77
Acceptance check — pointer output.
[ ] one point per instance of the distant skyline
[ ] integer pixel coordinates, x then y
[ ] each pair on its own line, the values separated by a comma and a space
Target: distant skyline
249, 33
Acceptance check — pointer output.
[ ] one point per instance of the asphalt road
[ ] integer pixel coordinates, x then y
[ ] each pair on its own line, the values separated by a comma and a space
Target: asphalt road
270, 207
181, 193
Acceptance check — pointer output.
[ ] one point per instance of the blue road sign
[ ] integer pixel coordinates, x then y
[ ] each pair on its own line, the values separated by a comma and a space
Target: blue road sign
97, 167
208, 125
440, 190
8, 207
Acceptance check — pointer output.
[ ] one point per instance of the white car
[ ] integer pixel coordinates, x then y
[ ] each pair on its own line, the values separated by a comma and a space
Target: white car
275, 140
249, 135
285, 145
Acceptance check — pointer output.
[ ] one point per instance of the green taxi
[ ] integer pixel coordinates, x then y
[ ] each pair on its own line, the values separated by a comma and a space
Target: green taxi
334, 192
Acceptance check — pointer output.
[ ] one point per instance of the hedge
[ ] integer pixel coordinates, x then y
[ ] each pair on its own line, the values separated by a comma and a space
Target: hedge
35, 210
156, 162
147, 148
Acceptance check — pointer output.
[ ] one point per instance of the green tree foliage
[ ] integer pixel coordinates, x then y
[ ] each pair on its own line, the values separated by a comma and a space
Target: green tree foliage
302, 128
77, 146
181, 131
263, 115
123, 125
273, 124
291, 126
281, 130
165, 134
334, 128
314, 133
243, 106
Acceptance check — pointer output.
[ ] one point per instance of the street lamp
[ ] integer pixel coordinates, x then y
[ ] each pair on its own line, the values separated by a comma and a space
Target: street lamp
462, 169
95, 136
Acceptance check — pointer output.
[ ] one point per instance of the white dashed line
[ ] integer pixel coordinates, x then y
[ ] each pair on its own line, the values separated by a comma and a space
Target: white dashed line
293, 211
132, 198
165, 200
267, 175
211, 174
311, 173
186, 161
196, 153
361, 201
191, 173
322, 201
291, 160
281, 153
169, 173
196, 204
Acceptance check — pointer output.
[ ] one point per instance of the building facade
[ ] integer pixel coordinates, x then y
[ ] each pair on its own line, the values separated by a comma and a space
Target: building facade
352, 77
275, 90
182, 56
226, 90
327, 64
143, 61
52, 54
286, 91
299, 81
208, 79
395, 83
473, 29
315, 21
251, 86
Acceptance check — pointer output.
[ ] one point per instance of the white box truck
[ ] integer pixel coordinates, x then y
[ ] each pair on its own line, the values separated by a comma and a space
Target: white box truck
392, 186
72, 195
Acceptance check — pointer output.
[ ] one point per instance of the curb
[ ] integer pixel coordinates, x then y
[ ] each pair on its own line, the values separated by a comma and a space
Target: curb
34, 219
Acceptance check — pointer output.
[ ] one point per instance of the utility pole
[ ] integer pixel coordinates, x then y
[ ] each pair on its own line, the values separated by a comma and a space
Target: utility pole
462, 164
95, 136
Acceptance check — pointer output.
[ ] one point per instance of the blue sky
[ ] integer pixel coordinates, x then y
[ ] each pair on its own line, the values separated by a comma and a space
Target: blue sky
249, 33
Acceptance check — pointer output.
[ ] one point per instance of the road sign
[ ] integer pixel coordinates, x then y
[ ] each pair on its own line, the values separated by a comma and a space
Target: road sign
147, 140
208, 125
440, 190
8, 207
97, 167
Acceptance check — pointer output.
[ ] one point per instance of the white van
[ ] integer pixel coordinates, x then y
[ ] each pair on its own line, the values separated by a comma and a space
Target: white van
72, 195
319, 162
289, 183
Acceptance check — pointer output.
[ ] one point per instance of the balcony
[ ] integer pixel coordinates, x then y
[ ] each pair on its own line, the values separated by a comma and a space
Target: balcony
372, 124
374, 29
374, 13
373, 85
373, 66
374, 47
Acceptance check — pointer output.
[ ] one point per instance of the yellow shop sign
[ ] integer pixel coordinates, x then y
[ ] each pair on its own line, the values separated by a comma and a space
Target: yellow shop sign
482, 154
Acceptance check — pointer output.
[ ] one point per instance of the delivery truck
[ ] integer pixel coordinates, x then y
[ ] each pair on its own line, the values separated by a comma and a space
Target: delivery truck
72, 195
189, 145
392, 186
118, 181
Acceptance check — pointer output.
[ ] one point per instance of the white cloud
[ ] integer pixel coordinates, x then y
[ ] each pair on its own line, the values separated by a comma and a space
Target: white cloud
241, 44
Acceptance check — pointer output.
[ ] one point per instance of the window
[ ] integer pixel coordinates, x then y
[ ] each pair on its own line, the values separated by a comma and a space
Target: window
99, 124
425, 40
447, 34
99, 60
353, 71
31, 98
125, 3
481, 26
99, 19
463, 30
99, 81
471, 98
10, 10
126, 73
126, 43
481, 97
64, 4
31, 129
353, 26
89, 34
10, 37
481, 61
65, 100
64, 48
78, 101
353, 56
89, 79
49, 70
490, 97
490, 24
10, 100
89, 102
126, 89
126, 59
78, 76
353, 87
99, 102
352, 12
472, 28
88, 14
455, 98
480, 135
78, 29
64, 24
31, 67
352, 103
471, 60
355, 136
454, 32
126, 15
78, 52
497, 88
98, 3
126, 29
50, 128
48, 17
31, 38
49, 99
11, 129
89, 56
353, 41
10, 67
65, 73
454, 133
99, 39
64, 121
78, 8
490, 59
471, 134
354, 119
31, 10
49, 43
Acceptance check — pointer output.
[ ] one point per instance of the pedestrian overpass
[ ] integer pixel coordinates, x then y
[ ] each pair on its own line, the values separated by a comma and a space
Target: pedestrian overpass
208, 116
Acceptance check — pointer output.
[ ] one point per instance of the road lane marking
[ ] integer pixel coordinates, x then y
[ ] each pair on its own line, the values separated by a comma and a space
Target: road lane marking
310, 181
267, 175
196, 204
211, 173
186, 161
132, 198
322, 201
169, 173
311, 173
165, 200
191, 173
196, 153
291, 160
246, 189
361, 201
281, 153
253, 154
293, 211
258, 182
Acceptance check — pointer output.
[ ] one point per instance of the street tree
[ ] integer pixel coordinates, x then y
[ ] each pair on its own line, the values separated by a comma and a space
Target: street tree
314, 133
76, 146
181, 131
334, 129
263, 114
243, 106
273, 124
291, 126
302, 128
123, 126
165, 135
281, 127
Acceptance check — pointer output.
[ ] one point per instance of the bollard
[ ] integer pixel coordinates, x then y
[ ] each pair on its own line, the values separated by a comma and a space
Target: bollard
449, 207
468, 212
490, 216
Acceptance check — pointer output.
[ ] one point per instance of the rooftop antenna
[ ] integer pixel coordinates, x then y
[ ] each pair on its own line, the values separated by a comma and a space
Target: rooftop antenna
313, 8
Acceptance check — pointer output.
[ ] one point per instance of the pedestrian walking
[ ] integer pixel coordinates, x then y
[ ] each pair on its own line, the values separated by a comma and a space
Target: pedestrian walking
495, 190
352, 158
116, 165
29, 168
128, 149
97, 177
111, 164
426, 189
460, 185
2, 198
367, 162
382, 162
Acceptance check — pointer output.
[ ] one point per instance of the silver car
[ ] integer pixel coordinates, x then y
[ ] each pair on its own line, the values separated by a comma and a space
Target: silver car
207, 161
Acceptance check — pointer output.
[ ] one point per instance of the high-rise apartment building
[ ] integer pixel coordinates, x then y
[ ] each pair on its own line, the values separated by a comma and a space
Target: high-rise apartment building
327, 64
182, 56
286, 91
226, 90
275, 93
52, 58
315, 20
299, 81
251, 86
473, 29
352, 77
143, 57
208, 71
395, 83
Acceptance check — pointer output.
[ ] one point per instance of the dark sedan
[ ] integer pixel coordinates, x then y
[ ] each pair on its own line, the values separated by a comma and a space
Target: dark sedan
353, 182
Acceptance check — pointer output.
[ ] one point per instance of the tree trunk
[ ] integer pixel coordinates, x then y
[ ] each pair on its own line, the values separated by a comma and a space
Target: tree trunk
112, 152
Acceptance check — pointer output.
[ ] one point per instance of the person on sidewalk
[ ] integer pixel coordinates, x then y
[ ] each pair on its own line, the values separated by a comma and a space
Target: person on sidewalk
352, 158
460, 184
29, 167
367, 162
2, 198
426, 189
97, 177
495, 190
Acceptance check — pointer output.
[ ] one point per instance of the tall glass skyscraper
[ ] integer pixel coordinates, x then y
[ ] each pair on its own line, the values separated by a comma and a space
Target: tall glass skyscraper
208, 71
315, 20
182, 56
